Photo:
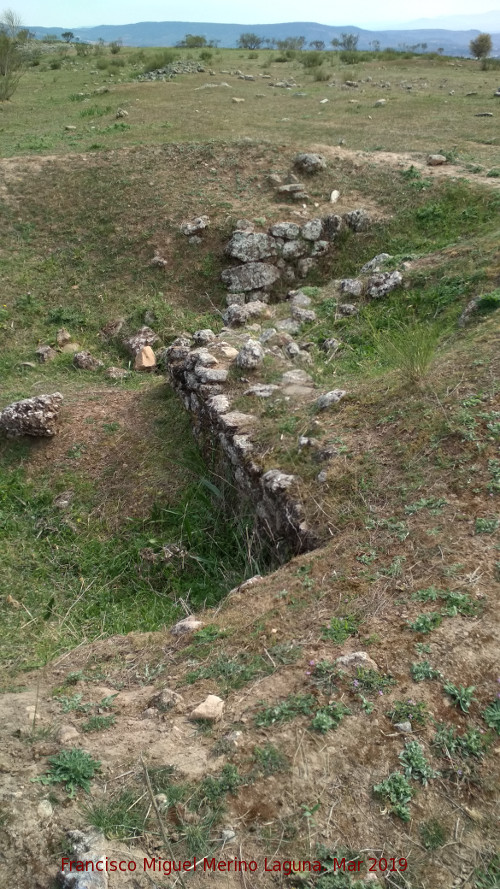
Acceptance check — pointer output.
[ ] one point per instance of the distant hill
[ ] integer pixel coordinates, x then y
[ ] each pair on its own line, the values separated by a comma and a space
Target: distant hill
170, 33
485, 21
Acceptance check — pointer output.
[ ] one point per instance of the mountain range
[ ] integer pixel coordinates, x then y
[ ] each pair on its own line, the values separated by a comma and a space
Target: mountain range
170, 33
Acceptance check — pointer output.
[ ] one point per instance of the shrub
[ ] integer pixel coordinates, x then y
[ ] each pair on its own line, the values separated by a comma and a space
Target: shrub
160, 60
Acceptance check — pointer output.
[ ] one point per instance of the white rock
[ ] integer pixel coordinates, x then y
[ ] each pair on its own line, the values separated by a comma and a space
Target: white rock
44, 810
186, 625
334, 196
333, 397
211, 709
356, 659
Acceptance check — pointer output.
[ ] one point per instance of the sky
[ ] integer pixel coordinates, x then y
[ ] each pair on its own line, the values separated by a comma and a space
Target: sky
363, 13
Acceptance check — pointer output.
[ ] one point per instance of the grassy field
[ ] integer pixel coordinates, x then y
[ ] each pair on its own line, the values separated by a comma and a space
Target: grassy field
409, 569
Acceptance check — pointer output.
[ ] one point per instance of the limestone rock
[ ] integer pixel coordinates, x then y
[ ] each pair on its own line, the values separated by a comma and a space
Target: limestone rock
293, 250
85, 361
358, 220
292, 188
305, 265
351, 286
63, 336
167, 699
436, 160
68, 734
121, 113
276, 481
203, 337
210, 375
117, 373
312, 230
112, 328
145, 359
290, 231
347, 309
374, 264
237, 101
45, 354
334, 196
195, 225
299, 300
404, 727
331, 345
87, 847
186, 625
211, 709
262, 390
303, 316
310, 163
333, 397
144, 337
356, 659
237, 316
382, 284
251, 276
250, 356
32, 416
332, 224
251, 247
44, 810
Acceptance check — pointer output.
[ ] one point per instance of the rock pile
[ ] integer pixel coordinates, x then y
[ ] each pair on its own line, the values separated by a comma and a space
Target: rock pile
36, 416
168, 72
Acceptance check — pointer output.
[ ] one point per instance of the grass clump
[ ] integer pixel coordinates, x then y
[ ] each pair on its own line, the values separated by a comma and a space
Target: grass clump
415, 764
269, 759
461, 696
288, 709
232, 672
123, 817
401, 711
397, 792
421, 670
408, 349
98, 723
424, 623
450, 744
491, 716
74, 768
341, 628
371, 681
329, 717
432, 834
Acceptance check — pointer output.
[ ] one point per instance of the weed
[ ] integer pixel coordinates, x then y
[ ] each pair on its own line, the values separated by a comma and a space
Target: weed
397, 792
428, 595
213, 789
415, 764
292, 706
408, 710
324, 675
74, 767
98, 723
422, 670
459, 603
494, 470
491, 715
269, 760
122, 817
407, 348
486, 526
422, 648
487, 876
371, 681
460, 695
424, 623
329, 717
432, 834
449, 744
341, 628
433, 504
232, 672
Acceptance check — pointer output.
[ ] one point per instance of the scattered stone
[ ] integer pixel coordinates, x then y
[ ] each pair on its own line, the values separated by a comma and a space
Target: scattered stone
292, 188
251, 355
468, 311
290, 231
484, 114
88, 848
85, 361
351, 286
195, 225
297, 377
165, 700
63, 336
237, 316
71, 348
331, 345
312, 230
305, 265
63, 500
310, 163
112, 328
382, 284
251, 247
69, 127
274, 179
374, 264
334, 196
67, 734
244, 225
288, 325
403, 727
186, 625
203, 337
436, 160
211, 709
380, 102
232, 739
45, 354
145, 359
144, 337
303, 316
356, 659
358, 220
32, 416
44, 810
158, 261
333, 397
237, 101
121, 113
117, 373
252, 276
299, 299
323, 101
347, 309
228, 835
263, 390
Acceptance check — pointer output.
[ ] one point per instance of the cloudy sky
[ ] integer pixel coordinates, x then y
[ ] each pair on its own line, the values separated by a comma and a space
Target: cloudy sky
363, 13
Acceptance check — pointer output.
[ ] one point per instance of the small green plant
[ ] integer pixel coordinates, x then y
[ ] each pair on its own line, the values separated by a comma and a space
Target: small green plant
341, 628
122, 817
213, 788
459, 603
487, 876
421, 670
461, 696
324, 675
424, 623
491, 715
422, 648
98, 723
428, 595
486, 526
401, 711
329, 717
449, 744
397, 792
292, 706
407, 348
269, 760
432, 834
366, 705
74, 767
371, 681
415, 764
433, 504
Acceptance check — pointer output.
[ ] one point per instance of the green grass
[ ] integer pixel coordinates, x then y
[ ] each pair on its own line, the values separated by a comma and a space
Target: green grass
415, 712
396, 792
286, 710
341, 628
74, 768
415, 764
